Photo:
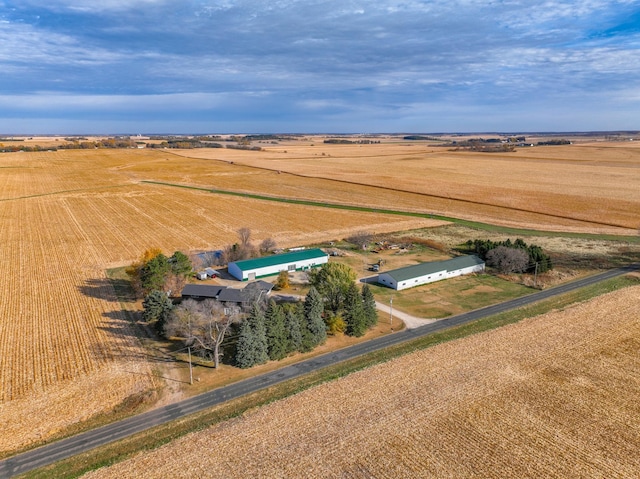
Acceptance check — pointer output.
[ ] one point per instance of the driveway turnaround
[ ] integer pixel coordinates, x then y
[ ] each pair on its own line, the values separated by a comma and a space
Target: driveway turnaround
86, 441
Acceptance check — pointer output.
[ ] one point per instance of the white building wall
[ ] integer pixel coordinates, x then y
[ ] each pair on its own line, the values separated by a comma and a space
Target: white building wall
275, 269
428, 278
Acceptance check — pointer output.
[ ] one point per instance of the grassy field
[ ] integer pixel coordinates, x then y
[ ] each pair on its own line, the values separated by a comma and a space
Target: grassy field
550, 396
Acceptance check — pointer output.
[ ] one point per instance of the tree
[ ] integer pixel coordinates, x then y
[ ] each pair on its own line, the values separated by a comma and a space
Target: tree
252, 341
203, 326
354, 312
508, 260
293, 327
157, 307
153, 273
283, 280
267, 245
335, 324
276, 333
244, 235
315, 332
133, 271
332, 281
369, 306
361, 239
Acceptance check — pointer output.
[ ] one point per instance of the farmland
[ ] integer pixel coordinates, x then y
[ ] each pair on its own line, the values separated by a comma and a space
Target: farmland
67, 216
550, 396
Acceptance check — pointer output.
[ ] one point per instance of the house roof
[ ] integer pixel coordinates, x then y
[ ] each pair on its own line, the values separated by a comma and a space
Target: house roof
276, 259
202, 290
260, 286
423, 269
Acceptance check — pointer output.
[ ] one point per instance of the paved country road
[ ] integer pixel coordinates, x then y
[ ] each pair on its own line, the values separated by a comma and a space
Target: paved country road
80, 443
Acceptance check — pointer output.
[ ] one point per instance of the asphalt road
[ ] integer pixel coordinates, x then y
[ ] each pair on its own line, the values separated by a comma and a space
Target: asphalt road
80, 443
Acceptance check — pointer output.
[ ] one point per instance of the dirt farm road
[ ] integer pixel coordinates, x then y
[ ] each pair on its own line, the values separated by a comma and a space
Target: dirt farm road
86, 441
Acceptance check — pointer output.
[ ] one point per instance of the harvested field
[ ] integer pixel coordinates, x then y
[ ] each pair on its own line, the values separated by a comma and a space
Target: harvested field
65, 216
585, 187
551, 396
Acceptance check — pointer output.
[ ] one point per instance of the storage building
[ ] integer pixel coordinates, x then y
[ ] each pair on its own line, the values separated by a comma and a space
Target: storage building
424, 273
269, 265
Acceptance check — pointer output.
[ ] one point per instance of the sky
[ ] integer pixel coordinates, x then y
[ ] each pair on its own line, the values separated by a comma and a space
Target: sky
318, 66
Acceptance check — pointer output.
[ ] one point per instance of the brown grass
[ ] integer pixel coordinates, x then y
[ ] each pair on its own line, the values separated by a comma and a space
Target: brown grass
552, 396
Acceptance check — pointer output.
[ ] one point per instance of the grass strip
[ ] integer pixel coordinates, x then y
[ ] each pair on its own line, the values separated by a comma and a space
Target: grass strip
156, 437
365, 209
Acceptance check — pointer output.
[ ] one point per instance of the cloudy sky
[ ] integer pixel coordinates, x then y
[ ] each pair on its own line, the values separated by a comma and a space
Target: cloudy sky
267, 66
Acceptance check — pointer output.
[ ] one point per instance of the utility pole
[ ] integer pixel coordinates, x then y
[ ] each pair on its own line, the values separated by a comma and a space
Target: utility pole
535, 276
190, 368
391, 312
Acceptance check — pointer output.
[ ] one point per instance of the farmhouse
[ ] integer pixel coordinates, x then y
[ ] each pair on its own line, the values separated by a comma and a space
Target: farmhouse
247, 295
424, 273
270, 265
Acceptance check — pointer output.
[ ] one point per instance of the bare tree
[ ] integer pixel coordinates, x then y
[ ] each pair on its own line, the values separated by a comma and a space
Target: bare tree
508, 260
268, 244
244, 235
361, 238
203, 325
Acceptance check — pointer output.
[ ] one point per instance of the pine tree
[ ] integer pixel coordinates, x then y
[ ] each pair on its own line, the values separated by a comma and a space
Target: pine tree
275, 331
252, 341
293, 328
354, 312
316, 329
157, 307
369, 306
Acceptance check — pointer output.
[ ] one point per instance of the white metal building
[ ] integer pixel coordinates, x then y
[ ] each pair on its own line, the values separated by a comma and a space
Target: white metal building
269, 265
424, 273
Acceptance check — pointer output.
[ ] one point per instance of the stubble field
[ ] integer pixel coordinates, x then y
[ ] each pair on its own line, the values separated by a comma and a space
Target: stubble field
551, 396
68, 351
585, 187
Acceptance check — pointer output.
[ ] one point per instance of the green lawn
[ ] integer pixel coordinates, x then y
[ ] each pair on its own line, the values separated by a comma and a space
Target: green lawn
452, 296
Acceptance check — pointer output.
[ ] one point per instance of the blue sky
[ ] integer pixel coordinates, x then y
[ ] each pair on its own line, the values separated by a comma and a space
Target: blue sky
261, 66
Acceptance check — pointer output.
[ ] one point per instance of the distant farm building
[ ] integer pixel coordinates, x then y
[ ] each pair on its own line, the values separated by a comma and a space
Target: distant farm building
424, 273
269, 265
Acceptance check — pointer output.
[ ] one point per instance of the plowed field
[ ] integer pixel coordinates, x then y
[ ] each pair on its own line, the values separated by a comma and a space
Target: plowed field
552, 396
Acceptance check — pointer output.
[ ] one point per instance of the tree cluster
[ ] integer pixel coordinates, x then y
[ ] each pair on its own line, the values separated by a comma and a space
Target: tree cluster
346, 309
157, 272
507, 257
244, 248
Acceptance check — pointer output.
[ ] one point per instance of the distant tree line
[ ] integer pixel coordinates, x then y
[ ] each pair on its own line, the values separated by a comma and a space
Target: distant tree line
511, 257
74, 144
554, 142
342, 141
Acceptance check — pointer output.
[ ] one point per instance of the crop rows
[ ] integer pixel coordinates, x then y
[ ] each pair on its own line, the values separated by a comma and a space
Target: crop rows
65, 218
552, 396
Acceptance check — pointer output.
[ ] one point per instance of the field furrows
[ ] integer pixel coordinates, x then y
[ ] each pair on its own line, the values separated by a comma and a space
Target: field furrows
64, 338
531, 179
552, 396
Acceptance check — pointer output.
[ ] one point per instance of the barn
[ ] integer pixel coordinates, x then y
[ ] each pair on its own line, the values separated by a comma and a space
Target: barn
269, 265
424, 273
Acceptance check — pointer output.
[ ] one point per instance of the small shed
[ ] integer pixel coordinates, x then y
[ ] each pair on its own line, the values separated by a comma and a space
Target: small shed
424, 273
270, 265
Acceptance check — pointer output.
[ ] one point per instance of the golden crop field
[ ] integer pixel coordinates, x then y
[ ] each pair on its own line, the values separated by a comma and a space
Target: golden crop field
589, 187
551, 396
68, 351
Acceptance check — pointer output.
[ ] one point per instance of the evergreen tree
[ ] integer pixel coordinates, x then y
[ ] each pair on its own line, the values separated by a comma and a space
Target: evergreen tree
252, 340
157, 307
180, 264
154, 272
275, 331
293, 328
316, 330
354, 312
369, 306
